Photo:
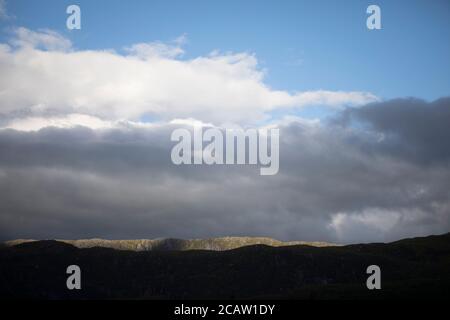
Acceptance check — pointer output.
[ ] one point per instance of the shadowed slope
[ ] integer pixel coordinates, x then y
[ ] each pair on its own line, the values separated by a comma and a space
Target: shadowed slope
412, 268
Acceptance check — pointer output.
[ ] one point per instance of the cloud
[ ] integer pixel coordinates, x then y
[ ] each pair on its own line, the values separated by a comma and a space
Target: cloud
77, 160
69, 121
42, 39
158, 49
375, 223
3, 11
411, 128
119, 182
43, 75
155, 50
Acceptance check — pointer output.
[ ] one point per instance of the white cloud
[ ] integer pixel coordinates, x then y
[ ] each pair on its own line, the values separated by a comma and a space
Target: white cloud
376, 223
43, 75
155, 50
3, 11
43, 39
69, 121
158, 49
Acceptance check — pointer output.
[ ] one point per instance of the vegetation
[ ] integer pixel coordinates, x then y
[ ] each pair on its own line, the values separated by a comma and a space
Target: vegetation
411, 268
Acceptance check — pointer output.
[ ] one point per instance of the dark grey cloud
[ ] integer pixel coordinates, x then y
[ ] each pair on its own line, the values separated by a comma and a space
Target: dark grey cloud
377, 175
411, 128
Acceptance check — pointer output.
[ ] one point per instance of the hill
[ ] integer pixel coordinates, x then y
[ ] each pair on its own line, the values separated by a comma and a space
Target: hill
411, 268
215, 244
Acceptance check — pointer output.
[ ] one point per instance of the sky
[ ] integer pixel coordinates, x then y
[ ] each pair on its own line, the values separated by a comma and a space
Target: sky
86, 117
304, 45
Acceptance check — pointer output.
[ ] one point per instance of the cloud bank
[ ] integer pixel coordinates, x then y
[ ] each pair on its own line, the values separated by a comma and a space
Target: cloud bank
3, 11
343, 181
43, 75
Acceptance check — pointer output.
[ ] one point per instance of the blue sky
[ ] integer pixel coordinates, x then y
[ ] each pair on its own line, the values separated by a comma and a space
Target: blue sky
303, 45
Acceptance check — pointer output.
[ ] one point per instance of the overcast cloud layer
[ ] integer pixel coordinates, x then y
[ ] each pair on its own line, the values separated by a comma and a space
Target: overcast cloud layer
339, 181
77, 160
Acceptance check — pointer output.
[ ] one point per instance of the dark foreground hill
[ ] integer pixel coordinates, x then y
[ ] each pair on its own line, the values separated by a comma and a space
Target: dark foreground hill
411, 268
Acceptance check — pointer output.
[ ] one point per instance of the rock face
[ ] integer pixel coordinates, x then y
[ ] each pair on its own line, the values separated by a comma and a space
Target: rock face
214, 244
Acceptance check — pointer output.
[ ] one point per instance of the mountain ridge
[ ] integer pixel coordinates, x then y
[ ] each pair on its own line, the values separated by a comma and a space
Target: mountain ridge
414, 268
165, 244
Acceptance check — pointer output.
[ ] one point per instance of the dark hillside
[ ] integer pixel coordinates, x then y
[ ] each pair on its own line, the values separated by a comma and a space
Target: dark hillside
411, 268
